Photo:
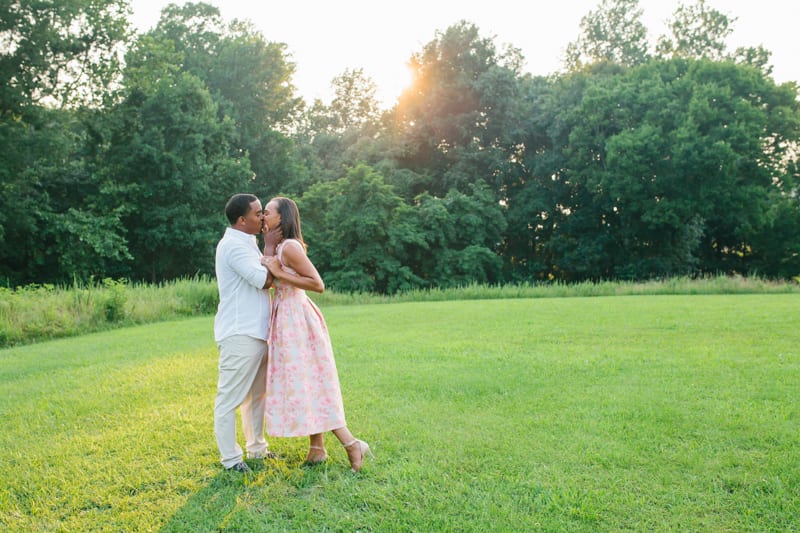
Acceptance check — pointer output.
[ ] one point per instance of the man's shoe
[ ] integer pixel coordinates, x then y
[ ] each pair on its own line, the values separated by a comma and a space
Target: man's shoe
240, 467
266, 455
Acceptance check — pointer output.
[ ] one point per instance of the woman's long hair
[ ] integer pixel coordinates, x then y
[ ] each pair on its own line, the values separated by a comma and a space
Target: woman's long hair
290, 219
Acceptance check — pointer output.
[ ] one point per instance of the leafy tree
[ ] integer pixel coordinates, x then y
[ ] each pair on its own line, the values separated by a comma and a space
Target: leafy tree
456, 238
452, 124
354, 103
195, 29
347, 224
52, 229
614, 33
624, 167
54, 58
34, 149
150, 59
250, 81
61, 53
776, 250
363, 237
751, 128
757, 56
535, 190
663, 169
697, 31
347, 132
171, 165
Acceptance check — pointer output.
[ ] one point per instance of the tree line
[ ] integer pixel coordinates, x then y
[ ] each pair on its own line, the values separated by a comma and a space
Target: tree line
639, 160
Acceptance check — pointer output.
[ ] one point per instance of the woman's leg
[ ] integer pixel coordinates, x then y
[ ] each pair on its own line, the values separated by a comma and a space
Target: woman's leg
344, 435
356, 449
316, 449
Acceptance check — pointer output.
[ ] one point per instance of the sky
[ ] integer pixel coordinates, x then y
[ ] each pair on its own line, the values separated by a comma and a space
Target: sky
326, 37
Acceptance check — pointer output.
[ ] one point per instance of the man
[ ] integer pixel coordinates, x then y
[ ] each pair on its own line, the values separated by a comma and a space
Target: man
240, 331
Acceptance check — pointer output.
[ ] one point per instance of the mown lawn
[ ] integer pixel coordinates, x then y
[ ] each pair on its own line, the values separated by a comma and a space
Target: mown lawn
630, 413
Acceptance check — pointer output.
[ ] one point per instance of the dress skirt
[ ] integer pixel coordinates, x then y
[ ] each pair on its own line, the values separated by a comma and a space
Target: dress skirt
303, 393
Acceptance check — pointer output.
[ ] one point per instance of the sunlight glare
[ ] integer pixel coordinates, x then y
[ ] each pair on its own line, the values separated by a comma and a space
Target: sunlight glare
392, 85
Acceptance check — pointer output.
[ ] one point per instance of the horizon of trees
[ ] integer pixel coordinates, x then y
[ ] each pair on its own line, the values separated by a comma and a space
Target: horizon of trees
639, 160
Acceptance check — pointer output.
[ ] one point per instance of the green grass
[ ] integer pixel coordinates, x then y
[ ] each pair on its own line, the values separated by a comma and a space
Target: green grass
621, 413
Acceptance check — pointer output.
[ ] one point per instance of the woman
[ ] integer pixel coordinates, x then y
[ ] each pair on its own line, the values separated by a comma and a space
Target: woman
303, 394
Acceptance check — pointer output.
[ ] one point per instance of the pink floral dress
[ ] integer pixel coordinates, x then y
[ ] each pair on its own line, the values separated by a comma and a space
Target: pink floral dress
303, 394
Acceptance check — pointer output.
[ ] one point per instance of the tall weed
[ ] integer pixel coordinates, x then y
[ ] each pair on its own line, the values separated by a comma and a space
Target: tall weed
38, 312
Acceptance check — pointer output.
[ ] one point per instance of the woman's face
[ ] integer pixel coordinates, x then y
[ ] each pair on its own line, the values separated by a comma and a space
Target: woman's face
271, 216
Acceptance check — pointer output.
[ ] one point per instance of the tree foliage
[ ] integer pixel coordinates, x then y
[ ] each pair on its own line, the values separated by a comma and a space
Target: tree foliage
697, 31
629, 165
452, 122
63, 53
173, 165
55, 59
614, 33
248, 78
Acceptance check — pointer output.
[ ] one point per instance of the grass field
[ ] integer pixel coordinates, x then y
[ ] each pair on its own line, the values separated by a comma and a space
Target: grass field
619, 413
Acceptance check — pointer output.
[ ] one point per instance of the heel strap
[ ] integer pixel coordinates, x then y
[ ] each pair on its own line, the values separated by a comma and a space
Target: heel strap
349, 444
316, 447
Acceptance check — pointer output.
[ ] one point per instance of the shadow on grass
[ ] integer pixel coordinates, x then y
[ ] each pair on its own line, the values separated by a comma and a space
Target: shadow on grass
232, 501
218, 505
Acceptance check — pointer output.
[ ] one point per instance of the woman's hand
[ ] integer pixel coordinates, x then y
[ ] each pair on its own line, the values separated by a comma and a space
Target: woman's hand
272, 237
273, 264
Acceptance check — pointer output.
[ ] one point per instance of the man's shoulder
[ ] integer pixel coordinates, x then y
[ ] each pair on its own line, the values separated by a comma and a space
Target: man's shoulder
226, 243
232, 237
223, 242
236, 243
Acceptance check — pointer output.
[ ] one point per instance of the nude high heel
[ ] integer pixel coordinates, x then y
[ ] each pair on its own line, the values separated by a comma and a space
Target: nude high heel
316, 461
363, 450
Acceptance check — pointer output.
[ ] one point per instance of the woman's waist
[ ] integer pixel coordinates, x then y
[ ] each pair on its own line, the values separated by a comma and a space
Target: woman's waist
288, 289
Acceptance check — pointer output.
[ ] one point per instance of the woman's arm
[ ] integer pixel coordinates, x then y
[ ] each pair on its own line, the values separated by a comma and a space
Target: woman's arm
294, 257
271, 239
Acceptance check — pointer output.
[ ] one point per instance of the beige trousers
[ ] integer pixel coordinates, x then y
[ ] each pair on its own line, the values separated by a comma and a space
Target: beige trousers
242, 382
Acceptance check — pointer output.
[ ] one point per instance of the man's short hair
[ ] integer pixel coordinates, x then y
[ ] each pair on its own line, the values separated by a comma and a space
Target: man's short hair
238, 206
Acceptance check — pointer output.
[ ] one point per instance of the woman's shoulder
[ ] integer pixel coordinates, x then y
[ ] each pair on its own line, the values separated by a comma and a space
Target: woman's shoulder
293, 243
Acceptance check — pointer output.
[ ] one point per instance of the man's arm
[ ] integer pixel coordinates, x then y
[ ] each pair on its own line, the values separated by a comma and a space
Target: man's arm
244, 260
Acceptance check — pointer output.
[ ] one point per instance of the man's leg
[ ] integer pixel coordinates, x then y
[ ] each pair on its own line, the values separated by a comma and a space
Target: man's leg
239, 358
253, 411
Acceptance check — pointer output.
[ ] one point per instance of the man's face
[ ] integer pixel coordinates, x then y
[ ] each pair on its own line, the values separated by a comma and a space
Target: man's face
253, 218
